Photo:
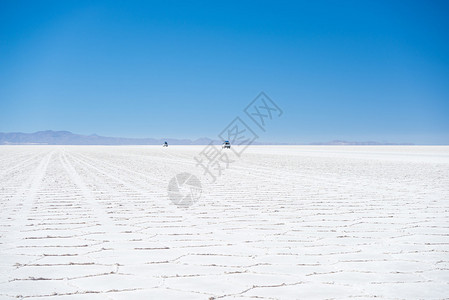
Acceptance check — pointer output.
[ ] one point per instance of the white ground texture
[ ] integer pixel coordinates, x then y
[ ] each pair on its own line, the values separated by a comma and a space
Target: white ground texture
283, 222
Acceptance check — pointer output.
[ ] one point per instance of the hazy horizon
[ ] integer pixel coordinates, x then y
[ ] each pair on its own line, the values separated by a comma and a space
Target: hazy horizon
193, 138
202, 139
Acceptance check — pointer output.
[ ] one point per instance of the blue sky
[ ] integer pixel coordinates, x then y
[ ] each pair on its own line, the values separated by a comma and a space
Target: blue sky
352, 70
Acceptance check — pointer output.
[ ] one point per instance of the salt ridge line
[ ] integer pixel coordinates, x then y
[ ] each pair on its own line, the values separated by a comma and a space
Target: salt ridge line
66, 265
114, 167
183, 255
97, 209
144, 192
22, 164
17, 156
30, 188
105, 184
11, 237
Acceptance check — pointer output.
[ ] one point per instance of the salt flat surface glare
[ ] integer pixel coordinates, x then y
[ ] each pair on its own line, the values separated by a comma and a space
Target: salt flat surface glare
283, 222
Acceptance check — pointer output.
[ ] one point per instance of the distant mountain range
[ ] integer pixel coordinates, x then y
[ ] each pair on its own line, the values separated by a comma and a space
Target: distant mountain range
50, 137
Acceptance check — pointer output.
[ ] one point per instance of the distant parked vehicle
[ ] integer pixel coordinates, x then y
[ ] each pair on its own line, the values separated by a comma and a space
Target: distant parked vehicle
165, 144
226, 145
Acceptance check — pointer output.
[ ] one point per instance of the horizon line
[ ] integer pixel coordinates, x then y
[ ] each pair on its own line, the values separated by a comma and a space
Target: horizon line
188, 141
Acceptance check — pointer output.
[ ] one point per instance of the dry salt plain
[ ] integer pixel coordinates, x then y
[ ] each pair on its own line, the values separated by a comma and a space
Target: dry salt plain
283, 222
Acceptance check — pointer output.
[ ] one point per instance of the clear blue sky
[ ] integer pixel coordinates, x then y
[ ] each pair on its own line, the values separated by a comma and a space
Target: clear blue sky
353, 70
